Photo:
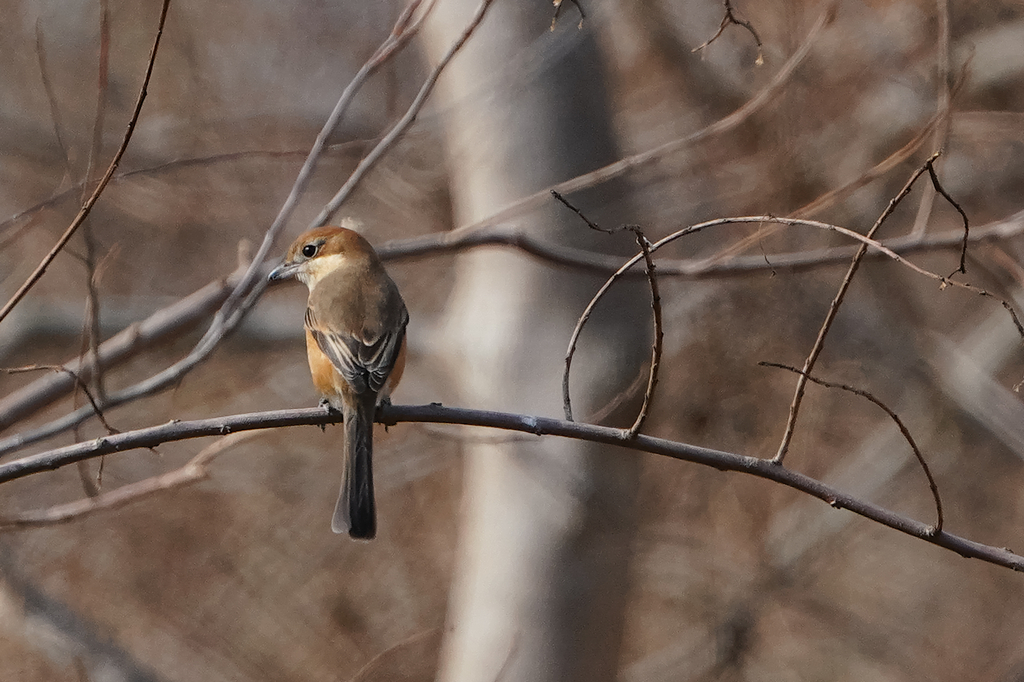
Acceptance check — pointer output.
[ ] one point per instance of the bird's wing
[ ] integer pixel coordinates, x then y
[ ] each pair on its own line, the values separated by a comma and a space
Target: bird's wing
364, 363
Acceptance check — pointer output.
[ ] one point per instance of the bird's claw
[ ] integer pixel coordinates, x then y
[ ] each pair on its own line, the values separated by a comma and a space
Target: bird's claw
325, 404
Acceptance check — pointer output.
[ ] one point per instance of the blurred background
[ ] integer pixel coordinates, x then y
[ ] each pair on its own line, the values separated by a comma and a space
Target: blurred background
697, 574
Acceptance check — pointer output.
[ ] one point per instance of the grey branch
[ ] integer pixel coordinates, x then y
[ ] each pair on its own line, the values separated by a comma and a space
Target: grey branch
538, 426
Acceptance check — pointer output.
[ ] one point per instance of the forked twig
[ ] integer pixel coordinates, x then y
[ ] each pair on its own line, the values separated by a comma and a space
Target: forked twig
728, 20
87, 207
652, 379
899, 423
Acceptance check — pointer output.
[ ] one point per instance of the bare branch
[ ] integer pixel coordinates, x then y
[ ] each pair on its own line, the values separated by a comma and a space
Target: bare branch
819, 342
652, 381
194, 470
539, 426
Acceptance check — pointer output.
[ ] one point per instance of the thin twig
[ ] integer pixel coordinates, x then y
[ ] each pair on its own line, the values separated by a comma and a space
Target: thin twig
538, 426
833, 310
967, 227
87, 207
78, 382
659, 334
892, 415
656, 348
728, 20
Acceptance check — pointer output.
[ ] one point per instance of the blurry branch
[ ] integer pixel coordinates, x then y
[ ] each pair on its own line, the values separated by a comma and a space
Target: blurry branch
87, 207
892, 415
837, 301
832, 197
936, 125
728, 20
371, 159
480, 229
194, 470
51, 99
12, 225
102, 83
94, 270
652, 381
538, 426
162, 325
381, 666
89, 350
944, 101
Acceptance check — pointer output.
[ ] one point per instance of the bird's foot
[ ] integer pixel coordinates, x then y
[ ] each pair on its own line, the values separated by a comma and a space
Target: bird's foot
384, 402
325, 404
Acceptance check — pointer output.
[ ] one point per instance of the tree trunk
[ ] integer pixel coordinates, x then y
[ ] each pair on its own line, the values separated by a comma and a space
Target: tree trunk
547, 524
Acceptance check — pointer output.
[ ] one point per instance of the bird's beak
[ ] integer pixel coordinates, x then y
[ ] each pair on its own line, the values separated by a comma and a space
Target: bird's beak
283, 271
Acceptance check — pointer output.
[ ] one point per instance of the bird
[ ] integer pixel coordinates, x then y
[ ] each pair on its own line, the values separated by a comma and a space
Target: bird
355, 343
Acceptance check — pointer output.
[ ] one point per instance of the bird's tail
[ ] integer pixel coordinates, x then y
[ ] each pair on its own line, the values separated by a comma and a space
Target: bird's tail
356, 512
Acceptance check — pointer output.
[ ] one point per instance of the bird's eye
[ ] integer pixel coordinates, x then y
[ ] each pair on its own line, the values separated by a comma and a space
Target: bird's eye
309, 250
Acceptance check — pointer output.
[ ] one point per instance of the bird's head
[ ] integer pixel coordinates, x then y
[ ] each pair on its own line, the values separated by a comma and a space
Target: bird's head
320, 251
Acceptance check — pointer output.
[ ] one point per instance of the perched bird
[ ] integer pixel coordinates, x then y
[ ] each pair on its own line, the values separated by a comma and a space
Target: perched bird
355, 340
